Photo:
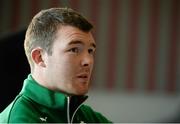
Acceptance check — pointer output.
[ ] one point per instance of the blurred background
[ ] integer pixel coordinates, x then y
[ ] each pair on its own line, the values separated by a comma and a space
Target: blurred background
137, 70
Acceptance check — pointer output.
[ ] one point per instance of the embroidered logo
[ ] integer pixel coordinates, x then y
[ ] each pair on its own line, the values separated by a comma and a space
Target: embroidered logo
82, 122
43, 119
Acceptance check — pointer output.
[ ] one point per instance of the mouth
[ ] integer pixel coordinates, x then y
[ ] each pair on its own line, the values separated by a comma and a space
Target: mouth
83, 77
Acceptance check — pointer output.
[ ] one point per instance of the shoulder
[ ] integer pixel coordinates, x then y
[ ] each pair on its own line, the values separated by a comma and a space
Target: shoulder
94, 115
20, 110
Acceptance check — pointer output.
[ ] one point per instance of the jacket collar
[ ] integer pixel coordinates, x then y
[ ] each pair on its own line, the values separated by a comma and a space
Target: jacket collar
46, 97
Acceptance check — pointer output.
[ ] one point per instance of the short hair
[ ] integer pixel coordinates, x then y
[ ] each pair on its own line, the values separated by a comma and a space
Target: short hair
44, 25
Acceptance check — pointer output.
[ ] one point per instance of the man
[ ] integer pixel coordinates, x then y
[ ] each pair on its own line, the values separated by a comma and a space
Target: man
60, 49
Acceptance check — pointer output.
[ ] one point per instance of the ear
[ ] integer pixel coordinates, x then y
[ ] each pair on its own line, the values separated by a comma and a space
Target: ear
37, 56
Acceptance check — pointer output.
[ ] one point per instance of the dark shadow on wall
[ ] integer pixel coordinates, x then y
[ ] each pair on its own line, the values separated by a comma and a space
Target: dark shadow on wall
13, 67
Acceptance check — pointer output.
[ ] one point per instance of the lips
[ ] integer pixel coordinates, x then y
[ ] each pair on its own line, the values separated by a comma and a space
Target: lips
83, 76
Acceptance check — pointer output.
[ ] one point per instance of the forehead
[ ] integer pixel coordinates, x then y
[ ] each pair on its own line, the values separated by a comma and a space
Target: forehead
67, 34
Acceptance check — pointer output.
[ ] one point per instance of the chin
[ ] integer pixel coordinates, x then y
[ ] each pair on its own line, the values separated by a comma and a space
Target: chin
80, 89
84, 92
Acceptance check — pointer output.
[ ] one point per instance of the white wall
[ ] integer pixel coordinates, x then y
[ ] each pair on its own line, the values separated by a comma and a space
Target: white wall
124, 107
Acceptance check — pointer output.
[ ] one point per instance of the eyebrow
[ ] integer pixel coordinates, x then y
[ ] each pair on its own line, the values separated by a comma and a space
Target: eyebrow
80, 42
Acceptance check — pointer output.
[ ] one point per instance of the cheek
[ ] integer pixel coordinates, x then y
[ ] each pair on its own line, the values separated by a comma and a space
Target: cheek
69, 65
64, 66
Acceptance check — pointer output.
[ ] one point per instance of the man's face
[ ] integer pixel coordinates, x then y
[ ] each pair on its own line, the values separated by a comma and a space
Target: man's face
69, 67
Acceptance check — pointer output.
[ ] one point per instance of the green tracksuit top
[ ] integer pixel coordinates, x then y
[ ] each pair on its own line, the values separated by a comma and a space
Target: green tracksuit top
37, 104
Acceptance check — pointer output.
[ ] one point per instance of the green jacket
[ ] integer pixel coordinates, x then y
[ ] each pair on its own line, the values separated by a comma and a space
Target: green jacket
36, 104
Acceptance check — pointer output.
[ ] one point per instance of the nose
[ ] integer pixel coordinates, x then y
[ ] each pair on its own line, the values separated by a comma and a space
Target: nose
87, 60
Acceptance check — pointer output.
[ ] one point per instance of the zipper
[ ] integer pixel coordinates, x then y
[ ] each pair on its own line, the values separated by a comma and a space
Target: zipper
70, 121
75, 112
68, 110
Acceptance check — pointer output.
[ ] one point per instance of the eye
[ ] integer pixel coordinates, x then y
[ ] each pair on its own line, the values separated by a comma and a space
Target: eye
91, 51
74, 50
